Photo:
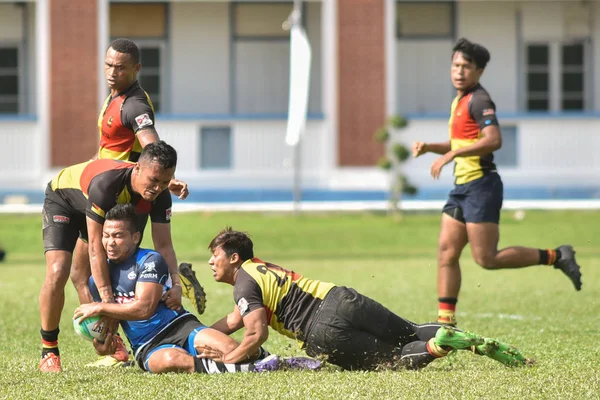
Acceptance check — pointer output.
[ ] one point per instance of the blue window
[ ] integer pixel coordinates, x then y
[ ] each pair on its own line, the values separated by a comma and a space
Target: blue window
507, 156
215, 147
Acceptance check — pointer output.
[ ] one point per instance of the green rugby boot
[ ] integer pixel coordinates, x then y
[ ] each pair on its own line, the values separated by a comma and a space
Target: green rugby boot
448, 336
503, 353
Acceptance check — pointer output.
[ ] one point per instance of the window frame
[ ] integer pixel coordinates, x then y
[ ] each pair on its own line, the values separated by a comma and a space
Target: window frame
450, 35
161, 45
234, 39
20, 74
285, 36
556, 95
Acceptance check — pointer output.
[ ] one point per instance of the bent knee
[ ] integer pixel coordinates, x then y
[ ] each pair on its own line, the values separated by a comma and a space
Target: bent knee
79, 276
486, 261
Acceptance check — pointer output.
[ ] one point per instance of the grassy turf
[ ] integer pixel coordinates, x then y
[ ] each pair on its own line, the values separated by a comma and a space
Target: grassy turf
536, 309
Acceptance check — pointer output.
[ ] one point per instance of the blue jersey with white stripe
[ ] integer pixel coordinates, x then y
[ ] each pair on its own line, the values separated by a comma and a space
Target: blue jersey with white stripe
142, 266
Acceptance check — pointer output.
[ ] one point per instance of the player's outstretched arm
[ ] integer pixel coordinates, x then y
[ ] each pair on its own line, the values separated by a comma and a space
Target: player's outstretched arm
420, 148
230, 323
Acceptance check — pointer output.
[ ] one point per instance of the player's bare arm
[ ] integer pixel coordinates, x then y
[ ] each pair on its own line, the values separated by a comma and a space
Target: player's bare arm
490, 141
230, 323
420, 148
257, 332
147, 135
147, 296
161, 237
98, 262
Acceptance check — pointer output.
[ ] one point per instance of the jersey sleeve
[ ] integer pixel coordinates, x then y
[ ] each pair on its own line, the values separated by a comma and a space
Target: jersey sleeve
102, 196
161, 208
483, 110
247, 293
137, 113
153, 269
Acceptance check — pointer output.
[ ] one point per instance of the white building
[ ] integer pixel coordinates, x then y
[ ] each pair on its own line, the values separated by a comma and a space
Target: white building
218, 74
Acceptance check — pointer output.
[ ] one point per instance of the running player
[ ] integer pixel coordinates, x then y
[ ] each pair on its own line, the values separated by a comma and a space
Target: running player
472, 213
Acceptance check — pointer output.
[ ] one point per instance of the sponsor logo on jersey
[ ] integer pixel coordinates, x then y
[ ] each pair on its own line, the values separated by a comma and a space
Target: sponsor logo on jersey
150, 266
168, 214
143, 120
488, 111
242, 305
60, 219
149, 271
132, 275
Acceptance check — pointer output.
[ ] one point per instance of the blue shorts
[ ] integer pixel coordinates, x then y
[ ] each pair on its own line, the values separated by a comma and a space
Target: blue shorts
477, 201
180, 335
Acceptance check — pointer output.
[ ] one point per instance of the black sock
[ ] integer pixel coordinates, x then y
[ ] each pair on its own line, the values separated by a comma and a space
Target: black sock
549, 256
262, 353
415, 355
448, 300
50, 342
198, 366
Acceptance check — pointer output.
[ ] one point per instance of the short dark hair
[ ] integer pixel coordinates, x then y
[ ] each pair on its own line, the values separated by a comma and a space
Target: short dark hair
125, 213
472, 52
128, 47
160, 152
233, 242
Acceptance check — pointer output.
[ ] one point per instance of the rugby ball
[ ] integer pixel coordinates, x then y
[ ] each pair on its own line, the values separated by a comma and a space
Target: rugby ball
88, 330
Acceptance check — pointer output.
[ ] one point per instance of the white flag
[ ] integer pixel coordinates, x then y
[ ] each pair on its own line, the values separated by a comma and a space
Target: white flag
300, 57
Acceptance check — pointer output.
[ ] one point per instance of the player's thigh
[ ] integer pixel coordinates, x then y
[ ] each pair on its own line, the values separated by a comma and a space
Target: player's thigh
353, 349
364, 314
484, 198
453, 237
60, 228
484, 237
167, 358
213, 338
81, 255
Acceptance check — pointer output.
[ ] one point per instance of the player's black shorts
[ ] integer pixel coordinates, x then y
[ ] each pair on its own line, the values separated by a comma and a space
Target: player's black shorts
477, 201
177, 334
62, 225
355, 331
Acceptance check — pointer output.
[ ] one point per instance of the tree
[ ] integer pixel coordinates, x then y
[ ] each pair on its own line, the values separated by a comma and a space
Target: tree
396, 154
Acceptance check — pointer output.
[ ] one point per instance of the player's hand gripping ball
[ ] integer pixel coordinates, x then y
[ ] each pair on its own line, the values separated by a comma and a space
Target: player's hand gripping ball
88, 330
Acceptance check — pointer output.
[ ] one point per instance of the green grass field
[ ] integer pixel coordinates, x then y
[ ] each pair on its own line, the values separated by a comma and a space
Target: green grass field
536, 309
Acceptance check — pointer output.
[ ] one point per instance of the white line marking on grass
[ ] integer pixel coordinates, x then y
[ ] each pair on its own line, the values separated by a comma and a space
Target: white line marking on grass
517, 317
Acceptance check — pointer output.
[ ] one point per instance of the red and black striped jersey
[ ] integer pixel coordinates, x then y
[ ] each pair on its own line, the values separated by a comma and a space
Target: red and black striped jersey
94, 187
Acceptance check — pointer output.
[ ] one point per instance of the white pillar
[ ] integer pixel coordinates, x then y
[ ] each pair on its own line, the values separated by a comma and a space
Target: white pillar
103, 42
329, 65
390, 57
42, 52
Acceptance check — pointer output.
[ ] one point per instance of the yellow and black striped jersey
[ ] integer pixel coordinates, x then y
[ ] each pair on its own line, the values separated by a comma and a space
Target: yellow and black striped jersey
469, 115
94, 187
290, 300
